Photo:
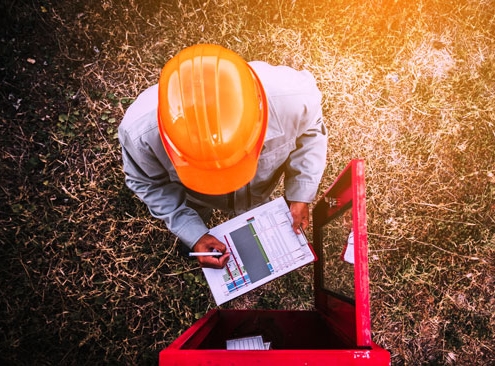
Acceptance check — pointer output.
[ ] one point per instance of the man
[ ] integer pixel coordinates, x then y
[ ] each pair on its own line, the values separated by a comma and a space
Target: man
218, 132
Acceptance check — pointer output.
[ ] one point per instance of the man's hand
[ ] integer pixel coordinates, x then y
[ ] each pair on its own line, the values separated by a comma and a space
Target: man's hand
208, 243
300, 216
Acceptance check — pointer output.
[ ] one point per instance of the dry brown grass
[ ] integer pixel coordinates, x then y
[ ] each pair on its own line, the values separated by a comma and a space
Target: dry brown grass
87, 276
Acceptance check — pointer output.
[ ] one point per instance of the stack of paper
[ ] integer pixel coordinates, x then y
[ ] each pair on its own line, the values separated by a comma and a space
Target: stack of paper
248, 343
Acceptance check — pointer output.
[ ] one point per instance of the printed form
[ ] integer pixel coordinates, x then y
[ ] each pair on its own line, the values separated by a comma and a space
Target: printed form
262, 246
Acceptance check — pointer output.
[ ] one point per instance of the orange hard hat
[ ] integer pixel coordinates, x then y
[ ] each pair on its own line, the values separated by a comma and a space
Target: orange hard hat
212, 117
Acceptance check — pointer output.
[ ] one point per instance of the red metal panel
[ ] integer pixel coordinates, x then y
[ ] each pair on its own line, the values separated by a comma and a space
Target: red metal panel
374, 356
361, 274
347, 191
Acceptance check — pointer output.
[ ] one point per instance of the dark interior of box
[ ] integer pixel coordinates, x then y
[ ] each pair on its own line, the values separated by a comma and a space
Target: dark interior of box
284, 329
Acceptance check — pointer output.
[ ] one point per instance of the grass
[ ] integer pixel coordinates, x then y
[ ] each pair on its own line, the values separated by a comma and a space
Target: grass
87, 276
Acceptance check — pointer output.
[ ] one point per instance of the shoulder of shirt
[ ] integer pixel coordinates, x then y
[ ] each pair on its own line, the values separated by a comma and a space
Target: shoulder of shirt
141, 116
283, 80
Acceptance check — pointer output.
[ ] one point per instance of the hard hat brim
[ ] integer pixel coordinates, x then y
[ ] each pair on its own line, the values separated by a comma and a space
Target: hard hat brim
219, 181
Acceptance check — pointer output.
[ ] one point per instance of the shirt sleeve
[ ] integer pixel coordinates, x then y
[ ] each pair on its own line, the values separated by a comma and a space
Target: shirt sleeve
297, 131
147, 173
306, 163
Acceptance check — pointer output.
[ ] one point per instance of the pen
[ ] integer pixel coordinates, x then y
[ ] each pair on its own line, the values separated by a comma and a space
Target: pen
204, 254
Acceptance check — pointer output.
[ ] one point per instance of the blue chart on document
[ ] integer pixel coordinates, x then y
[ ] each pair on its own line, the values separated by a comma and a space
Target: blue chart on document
262, 246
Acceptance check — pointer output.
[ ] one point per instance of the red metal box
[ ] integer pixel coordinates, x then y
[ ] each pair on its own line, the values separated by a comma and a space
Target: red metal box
337, 332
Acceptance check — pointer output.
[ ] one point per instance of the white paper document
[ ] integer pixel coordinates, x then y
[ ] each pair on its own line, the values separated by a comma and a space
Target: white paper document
262, 247
349, 249
248, 343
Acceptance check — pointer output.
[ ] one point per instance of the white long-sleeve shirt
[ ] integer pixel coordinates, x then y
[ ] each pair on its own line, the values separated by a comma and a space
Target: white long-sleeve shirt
295, 146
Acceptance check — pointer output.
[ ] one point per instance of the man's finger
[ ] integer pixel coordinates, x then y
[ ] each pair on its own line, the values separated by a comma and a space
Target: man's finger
300, 216
214, 262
